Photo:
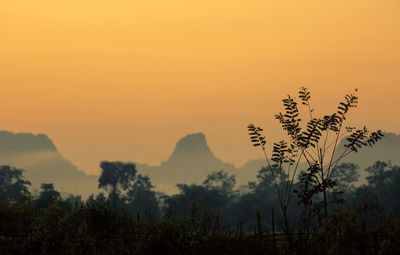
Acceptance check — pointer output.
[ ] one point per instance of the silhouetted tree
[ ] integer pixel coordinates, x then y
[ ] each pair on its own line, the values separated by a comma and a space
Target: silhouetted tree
266, 175
48, 196
220, 181
12, 184
380, 173
383, 187
210, 198
99, 196
345, 175
116, 176
394, 193
142, 197
48, 191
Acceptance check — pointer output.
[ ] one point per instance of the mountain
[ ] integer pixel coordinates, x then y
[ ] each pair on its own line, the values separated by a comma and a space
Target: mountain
42, 162
190, 162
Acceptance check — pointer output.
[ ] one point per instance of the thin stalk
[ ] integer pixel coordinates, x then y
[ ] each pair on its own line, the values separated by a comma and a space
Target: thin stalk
287, 191
309, 154
326, 139
273, 176
325, 205
336, 141
337, 161
332, 143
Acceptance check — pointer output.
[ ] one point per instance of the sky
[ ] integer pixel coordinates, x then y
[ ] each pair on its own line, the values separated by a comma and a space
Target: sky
126, 79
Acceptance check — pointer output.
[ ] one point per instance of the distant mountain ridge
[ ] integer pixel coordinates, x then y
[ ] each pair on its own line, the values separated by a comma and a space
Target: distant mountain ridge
42, 162
190, 162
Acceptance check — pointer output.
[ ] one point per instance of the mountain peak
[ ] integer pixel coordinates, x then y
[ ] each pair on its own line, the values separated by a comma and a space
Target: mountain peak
25, 142
191, 161
192, 143
193, 152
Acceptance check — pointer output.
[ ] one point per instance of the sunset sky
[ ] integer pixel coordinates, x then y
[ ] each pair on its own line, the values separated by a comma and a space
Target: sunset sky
125, 79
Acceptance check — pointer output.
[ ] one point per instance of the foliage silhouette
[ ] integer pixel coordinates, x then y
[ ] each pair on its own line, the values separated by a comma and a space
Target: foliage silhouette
310, 141
220, 181
380, 173
345, 175
116, 177
142, 198
48, 196
13, 185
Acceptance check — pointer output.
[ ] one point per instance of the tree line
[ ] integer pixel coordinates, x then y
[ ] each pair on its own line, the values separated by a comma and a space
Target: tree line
130, 217
124, 187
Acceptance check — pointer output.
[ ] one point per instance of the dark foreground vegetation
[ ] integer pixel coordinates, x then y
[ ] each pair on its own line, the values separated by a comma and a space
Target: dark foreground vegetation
290, 209
222, 221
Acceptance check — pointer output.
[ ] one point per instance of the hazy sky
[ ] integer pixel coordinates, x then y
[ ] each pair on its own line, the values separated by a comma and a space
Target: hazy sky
125, 79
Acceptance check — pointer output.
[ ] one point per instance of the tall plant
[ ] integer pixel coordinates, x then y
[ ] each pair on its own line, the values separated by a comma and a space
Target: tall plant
315, 141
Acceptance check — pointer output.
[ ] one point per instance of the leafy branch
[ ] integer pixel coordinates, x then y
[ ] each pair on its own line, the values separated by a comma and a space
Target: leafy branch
316, 142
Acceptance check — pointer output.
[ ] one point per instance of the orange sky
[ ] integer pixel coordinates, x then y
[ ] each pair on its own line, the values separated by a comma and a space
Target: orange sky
125, 79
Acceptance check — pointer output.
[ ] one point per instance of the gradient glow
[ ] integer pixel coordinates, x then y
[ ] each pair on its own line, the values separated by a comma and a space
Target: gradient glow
124, 80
